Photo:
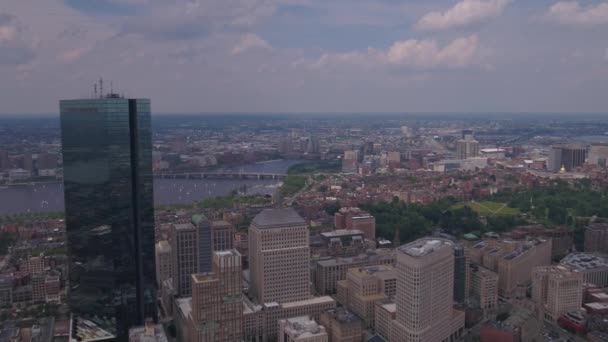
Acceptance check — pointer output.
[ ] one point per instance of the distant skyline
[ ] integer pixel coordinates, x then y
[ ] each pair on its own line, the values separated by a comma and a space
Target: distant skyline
308, 55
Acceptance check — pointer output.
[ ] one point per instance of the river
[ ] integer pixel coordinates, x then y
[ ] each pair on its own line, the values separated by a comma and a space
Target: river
49, 197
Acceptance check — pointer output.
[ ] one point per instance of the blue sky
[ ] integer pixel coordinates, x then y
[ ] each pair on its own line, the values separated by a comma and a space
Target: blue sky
309, 55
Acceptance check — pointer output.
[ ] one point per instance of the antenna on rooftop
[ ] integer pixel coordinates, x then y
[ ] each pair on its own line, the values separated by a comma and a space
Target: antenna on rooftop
100, 87
95, 90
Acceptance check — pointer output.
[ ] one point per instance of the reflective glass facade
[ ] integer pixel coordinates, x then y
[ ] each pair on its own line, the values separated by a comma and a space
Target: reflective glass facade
107, 156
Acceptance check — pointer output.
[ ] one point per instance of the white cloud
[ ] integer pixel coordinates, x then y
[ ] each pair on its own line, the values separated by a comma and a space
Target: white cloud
249, 41
464, 13
412, 53
573, 14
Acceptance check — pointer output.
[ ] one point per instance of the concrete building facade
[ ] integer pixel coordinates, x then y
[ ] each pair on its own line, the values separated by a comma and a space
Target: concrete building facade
555, 291
184, 239
342, 325
164, 262
596, 238
328, 271
279, 256
301, 329
424, 297
364, 286
217, 303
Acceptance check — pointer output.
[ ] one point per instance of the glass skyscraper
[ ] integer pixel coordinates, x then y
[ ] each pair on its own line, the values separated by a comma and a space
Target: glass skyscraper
109, 211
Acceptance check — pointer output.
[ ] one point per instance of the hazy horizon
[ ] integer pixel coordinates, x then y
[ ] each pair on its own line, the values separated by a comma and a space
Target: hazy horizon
320, 56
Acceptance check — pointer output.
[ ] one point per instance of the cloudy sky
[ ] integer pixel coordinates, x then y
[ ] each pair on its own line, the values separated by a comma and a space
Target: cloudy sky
309, 55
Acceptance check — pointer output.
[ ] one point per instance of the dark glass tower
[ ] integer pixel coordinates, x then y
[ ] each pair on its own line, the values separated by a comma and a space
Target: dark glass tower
109, 210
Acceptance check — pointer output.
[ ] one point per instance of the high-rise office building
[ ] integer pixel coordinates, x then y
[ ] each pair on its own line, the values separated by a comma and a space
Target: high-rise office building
425, 287
164, 262
467, 147
109, 209
484, 287
460, 271
4, 161
555, 291
598, 154
185, 251
217, 300
350, 161
279, 256
223, 235
596, 237
205, 243
567, 156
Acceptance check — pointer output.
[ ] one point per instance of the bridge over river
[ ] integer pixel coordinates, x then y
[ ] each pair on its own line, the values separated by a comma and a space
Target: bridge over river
222, 175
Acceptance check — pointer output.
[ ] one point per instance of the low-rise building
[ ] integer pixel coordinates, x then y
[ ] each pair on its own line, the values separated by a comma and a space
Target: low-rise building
328, 271
301, 329
342, 325
385, 313
148, 333
364, 286
594, 268
341, 243
555, 291
483, 287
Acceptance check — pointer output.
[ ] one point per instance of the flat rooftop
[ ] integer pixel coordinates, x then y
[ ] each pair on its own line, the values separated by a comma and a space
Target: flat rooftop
373, 270
369, 256
184, 226
276, 218
311, 301
390, 307
425, 246
584, 261
341, 233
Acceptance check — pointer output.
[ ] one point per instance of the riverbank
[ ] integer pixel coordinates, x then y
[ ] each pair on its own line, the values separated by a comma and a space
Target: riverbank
48, 197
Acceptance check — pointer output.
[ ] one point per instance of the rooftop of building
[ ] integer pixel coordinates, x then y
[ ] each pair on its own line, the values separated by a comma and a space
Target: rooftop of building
303, 326
584, 261
163, 246
558, 271
356, 210
597, 306
425, 246
491, 150
341, 233
342, 315
148, 333
522, 247
376, 270
87, 330
390, 307
311, 301
185, 306
221, 224
598, 226
276, 218
203, 277
484, 272
198, 218
368, 256
183, 226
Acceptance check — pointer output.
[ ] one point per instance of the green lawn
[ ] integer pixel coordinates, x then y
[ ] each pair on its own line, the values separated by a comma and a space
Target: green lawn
488, 208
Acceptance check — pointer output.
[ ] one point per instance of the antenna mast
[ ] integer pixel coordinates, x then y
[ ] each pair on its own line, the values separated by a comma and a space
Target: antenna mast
100, 87
95, 90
